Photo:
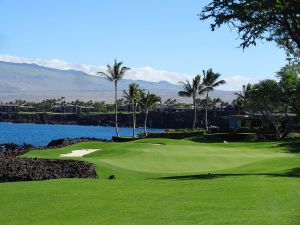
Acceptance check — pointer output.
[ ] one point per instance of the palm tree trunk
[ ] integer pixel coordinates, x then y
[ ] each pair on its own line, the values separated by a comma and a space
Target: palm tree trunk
206, 109
145, 122
134, 120
116, 109
195, 114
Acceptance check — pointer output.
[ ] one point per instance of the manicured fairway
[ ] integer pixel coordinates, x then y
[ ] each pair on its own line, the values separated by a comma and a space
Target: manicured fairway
165, 182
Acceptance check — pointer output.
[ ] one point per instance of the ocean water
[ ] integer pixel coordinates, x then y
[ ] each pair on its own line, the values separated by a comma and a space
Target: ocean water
42, 134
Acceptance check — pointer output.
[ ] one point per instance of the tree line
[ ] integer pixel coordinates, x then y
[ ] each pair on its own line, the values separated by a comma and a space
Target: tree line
277, 100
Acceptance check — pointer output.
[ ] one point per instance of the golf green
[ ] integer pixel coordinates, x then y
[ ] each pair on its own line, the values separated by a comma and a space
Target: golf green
161, 181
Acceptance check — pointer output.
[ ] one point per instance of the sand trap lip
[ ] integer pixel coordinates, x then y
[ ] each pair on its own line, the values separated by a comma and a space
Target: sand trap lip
79, 153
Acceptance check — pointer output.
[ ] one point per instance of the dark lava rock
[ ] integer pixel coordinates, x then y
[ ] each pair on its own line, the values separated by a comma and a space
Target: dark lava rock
70, 141
28, 169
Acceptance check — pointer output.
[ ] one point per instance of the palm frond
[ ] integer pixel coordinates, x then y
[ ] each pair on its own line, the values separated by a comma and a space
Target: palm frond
218, 83
126, 96
184, 94
106, 76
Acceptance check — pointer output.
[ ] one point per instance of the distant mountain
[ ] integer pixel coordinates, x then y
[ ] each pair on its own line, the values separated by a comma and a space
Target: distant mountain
34, 82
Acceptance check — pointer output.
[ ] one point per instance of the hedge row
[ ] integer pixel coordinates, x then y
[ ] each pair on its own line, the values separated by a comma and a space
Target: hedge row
208, 137
231, 137
123, 139
29, 169
176, 135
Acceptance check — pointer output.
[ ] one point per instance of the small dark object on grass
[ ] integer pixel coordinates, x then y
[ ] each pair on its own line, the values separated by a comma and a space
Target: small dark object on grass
111, 177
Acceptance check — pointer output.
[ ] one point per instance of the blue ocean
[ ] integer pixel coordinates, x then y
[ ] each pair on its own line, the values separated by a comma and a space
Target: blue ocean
42, 134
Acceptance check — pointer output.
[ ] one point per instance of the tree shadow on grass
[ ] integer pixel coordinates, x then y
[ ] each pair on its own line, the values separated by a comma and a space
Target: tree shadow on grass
292, 145
293, 173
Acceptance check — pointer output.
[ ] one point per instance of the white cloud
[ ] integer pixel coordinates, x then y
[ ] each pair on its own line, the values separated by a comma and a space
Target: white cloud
235, 83
143, 73
149, 74
52, 63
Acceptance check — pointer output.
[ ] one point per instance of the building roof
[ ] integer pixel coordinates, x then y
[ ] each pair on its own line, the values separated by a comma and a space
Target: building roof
257, 116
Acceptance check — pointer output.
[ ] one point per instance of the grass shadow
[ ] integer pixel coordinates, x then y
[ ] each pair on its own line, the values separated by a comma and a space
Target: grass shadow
205, 139
220, 138
293, 173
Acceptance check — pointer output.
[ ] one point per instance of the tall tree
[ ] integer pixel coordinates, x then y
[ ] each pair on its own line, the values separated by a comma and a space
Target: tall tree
210, 81
114, 74
265, 98
271, 20
148, 101
276, 100
133, 96
289, 84
289, 76
192, 90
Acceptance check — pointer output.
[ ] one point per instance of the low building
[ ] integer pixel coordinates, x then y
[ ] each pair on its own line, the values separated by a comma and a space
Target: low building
9, 108
64, 108
87, 109
23, 108
72, 109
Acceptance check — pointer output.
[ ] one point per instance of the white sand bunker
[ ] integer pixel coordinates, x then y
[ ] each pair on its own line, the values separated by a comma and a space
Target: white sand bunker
156, 144
79, 153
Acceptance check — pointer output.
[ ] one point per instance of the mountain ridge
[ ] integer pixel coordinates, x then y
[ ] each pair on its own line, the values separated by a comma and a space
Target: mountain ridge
34, 82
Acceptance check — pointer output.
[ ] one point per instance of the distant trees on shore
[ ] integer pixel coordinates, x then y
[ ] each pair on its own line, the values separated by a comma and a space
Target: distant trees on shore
137, 97
197, 88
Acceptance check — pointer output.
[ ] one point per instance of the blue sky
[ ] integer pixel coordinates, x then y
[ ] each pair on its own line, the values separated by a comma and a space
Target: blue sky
157, 35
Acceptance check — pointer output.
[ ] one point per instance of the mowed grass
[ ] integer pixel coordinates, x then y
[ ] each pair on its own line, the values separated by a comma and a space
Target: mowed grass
162, 181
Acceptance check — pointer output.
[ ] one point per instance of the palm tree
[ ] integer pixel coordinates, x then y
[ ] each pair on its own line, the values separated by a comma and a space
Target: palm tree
147, 102
215, 102
133, 96
114, 74
193, 90
210, 81
242, 97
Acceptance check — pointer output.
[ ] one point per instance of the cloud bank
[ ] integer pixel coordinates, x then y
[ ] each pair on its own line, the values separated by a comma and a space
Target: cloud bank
146, 73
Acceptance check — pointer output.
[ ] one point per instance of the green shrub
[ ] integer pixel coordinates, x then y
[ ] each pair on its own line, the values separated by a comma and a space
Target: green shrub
200, 131
293, 136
